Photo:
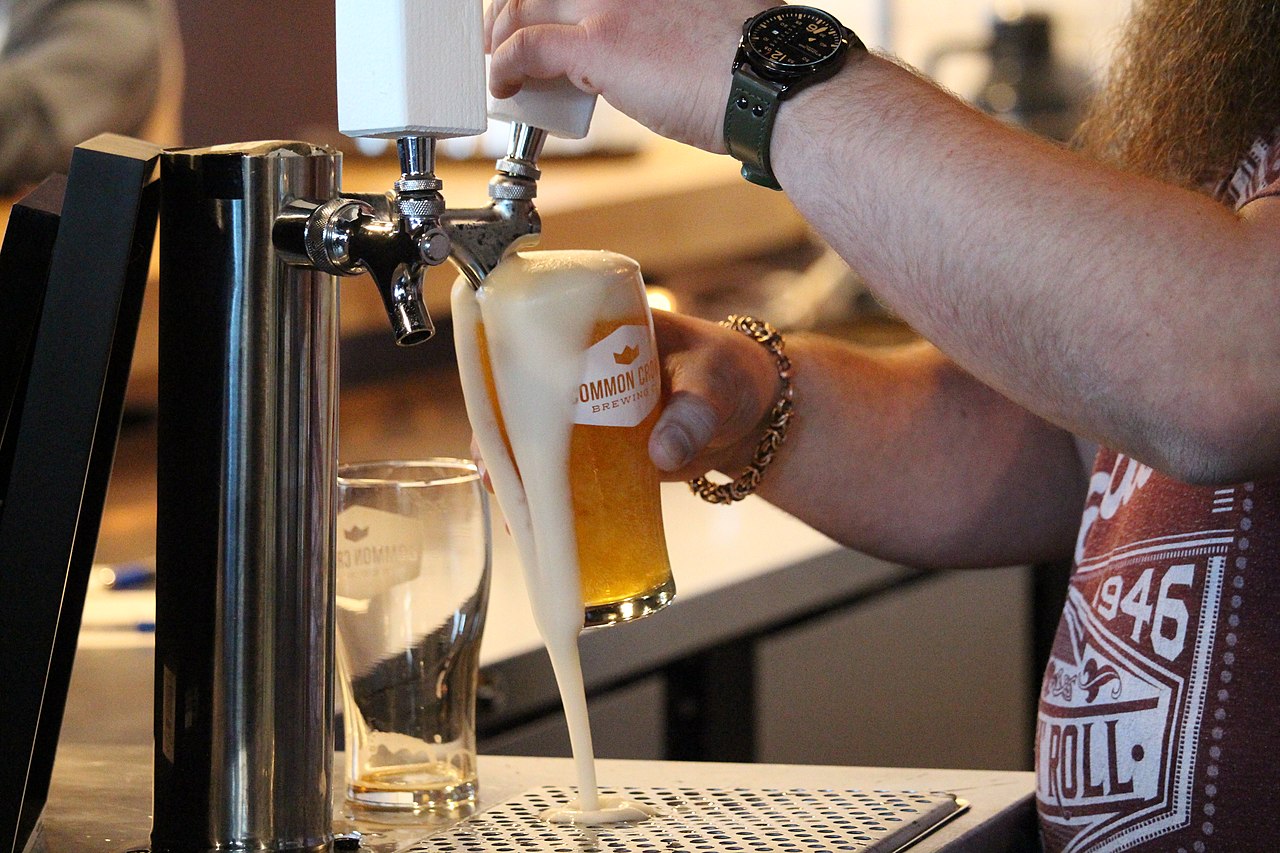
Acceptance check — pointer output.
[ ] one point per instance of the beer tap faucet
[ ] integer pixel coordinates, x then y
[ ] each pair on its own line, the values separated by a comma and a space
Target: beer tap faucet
481, 236
395, 244
396, 236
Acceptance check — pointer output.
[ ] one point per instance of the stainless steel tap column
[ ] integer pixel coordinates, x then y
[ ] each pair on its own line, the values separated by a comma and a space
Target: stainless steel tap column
247, 458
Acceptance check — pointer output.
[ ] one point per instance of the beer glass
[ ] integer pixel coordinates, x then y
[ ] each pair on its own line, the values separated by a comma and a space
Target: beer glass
412, 585
561, 380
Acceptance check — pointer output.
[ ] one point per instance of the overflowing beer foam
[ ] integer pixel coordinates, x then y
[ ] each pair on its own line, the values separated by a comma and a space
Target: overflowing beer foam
534, 318
609, 810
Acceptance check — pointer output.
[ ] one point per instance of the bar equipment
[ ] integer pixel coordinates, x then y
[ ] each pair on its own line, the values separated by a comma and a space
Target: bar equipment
711, 818
73, 267
243, 733
254, 236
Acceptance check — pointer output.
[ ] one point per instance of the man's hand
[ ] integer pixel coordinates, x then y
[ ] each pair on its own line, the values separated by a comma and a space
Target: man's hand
719, 385
665, 63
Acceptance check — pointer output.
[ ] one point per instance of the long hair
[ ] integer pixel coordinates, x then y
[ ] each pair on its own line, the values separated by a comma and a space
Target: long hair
1193, 85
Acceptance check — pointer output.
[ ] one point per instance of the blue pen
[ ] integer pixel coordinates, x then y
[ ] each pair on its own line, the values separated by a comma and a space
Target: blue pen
131, 576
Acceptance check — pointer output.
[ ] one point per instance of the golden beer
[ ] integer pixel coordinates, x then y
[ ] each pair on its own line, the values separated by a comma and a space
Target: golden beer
622, 550
623, 568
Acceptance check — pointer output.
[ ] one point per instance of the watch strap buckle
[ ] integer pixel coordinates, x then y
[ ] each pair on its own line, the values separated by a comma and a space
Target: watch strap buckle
748, 122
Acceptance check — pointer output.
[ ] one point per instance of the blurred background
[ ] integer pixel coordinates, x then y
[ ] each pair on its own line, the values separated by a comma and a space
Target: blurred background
287, 43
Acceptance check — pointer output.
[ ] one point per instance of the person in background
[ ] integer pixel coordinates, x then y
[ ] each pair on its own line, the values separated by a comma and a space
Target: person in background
71, 69
1103, 334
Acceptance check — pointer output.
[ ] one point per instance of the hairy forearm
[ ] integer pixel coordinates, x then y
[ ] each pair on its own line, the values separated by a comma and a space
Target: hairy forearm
1082, 293
900, 454
1135, 313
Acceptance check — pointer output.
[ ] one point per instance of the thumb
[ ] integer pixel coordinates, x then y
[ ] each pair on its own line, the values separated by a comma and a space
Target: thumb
686, 426
719, 385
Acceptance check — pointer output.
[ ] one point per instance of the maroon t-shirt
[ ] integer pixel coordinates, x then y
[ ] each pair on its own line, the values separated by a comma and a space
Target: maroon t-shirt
1159, 717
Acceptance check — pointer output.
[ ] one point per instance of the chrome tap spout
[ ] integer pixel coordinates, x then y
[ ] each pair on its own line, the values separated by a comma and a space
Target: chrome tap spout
350, 236
395, 237
479, 237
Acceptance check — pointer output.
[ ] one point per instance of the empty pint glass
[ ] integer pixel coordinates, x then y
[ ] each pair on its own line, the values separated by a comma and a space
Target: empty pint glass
560, 374
412, 585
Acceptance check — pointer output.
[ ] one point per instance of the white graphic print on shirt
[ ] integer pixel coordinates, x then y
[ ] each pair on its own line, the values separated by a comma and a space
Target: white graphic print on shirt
1124, 696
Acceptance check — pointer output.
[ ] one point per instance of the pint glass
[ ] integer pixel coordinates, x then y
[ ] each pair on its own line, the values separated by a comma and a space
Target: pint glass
412, 585
561, 379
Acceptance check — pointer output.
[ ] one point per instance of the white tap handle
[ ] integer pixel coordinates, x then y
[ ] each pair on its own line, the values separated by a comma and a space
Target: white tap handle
410, 68
556, 106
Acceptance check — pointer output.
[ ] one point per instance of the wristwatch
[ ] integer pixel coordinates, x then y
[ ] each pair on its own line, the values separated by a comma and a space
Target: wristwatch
782, 50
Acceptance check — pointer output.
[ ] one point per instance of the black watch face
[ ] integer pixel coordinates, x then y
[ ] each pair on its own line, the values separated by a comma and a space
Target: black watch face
794, 37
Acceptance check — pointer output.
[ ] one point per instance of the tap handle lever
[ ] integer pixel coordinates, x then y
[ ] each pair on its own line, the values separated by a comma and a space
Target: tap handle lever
410, 68
556, 106
479, 239
539, 109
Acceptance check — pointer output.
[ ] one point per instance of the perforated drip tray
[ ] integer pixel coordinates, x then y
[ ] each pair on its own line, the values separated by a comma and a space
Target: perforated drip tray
796, 820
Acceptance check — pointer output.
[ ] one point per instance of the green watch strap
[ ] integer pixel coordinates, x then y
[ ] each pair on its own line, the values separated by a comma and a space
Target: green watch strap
748, 126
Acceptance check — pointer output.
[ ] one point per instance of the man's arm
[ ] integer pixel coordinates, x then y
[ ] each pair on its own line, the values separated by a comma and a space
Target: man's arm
895, 452
1119, 307
1138, 314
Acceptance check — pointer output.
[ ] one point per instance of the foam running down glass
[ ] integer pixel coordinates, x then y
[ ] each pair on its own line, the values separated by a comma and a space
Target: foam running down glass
595, 358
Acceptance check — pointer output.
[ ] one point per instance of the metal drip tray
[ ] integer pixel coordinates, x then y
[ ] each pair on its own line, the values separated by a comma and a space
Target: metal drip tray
750, 820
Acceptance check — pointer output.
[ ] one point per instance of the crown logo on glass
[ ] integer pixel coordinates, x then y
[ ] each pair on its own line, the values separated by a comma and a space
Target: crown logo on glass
627, 355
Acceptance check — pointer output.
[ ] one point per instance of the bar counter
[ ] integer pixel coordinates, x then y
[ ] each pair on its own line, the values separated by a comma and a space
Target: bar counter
755, 588
101, 797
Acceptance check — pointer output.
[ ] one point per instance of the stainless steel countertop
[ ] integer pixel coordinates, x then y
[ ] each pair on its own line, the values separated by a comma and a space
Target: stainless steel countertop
100, 800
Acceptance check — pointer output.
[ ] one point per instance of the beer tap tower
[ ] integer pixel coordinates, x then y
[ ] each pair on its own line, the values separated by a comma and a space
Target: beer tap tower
253, 237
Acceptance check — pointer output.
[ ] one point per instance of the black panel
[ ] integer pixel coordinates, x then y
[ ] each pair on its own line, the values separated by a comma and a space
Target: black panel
190, 438
64, 436
24, 273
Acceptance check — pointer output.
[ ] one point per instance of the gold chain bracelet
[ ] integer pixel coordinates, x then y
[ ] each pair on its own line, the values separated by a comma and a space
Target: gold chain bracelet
779, 418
